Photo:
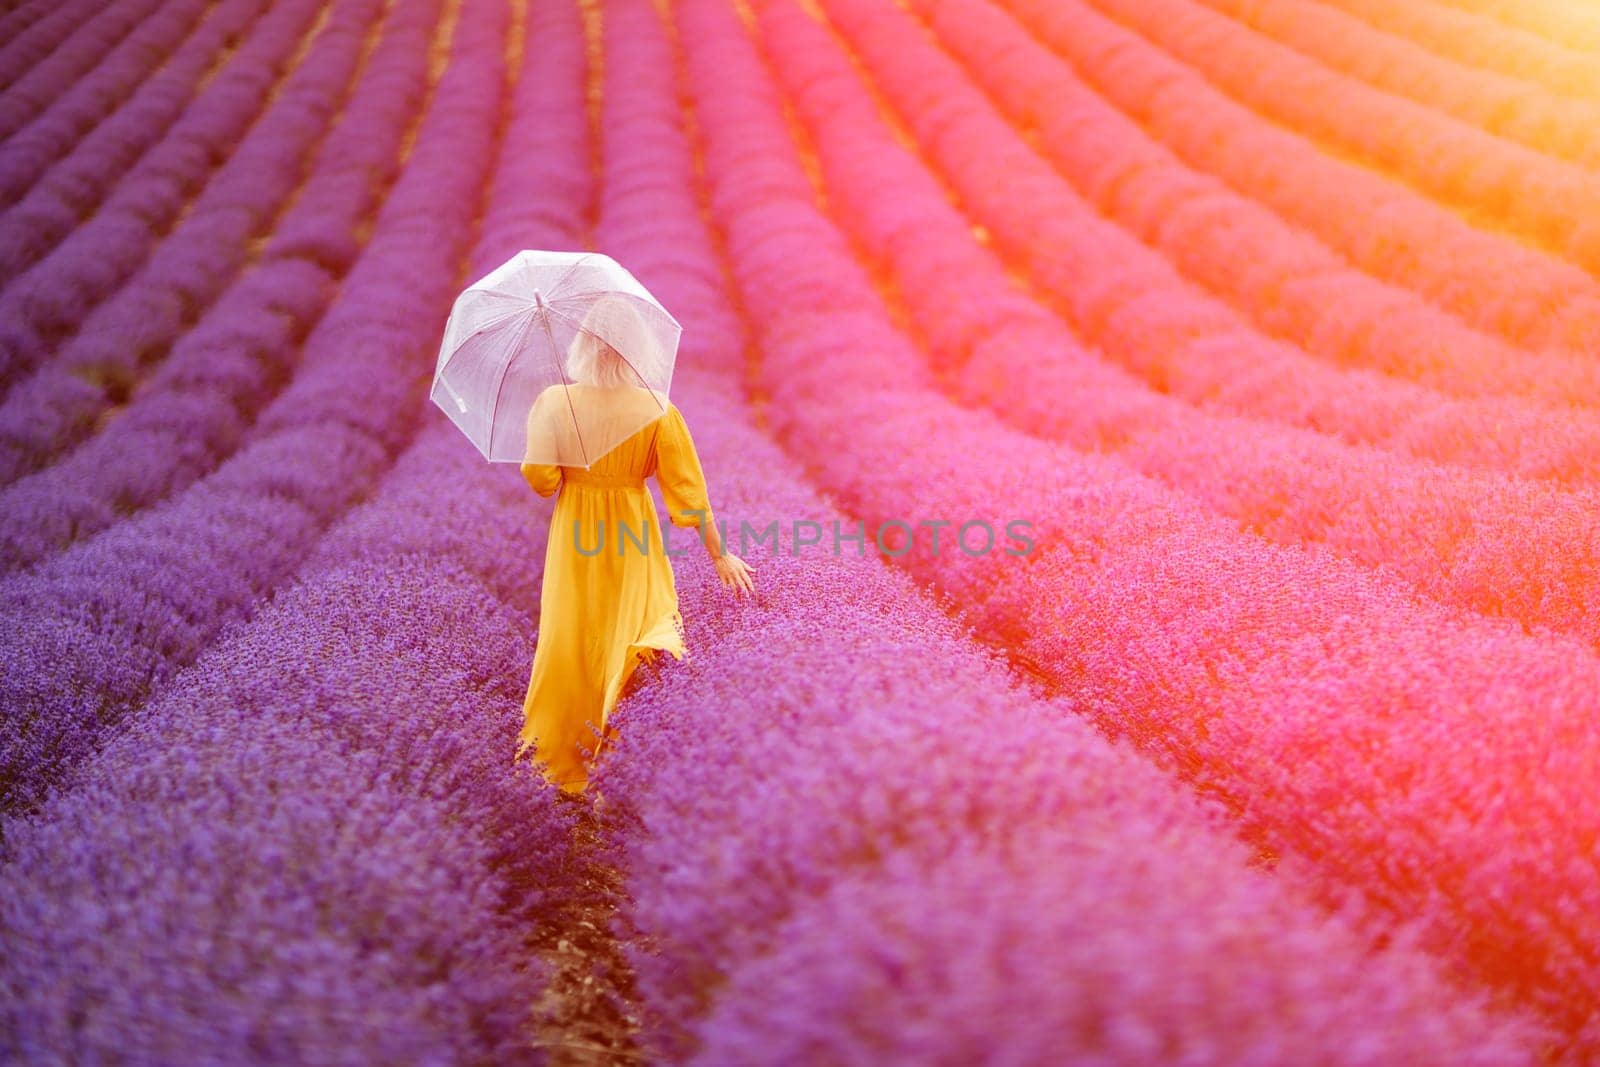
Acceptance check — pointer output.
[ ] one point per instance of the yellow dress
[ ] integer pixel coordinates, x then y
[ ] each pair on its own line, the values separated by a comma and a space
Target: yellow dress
608, 600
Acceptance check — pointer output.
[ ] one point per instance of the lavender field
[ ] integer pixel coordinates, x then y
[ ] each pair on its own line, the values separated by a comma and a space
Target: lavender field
1276, 324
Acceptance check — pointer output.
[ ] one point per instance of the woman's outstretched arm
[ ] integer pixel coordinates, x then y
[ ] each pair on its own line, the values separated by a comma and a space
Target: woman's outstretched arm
683, 486
734, 572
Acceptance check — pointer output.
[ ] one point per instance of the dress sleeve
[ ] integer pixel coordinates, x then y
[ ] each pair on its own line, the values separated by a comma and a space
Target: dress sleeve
683, 483
544, 477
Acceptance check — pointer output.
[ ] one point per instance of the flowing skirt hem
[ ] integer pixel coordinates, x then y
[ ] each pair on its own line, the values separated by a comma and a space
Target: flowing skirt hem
665, 636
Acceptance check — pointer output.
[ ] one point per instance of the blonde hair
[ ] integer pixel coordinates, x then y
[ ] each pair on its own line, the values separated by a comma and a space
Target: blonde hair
592, 359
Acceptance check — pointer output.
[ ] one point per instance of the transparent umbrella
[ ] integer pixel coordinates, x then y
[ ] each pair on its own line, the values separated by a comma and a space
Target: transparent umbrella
555, 357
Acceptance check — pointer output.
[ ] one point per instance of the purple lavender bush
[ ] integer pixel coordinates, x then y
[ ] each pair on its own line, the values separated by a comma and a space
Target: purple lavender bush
194, 408
202, 559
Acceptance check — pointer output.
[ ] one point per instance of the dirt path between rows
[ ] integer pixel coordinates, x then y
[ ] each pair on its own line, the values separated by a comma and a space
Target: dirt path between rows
587, 1016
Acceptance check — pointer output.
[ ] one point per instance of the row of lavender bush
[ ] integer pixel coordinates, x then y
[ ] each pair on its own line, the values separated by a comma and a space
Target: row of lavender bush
1479, 540
48, 56
46, 197
49, 285
1135, 306
1272, 677
351, 743
79, 100
91, 632
865, 856
311, 850
110, 350
17, 19
198, 404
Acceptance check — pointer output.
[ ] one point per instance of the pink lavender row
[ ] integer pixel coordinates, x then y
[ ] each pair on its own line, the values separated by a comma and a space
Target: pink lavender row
108, 351
887, 849
798, 856
795, 848
49, 284
1481, 541
1384, 227
1479, 41
161, 45
1271, 677
42, 114
1493, 102
1134, 305
76, 72
196, 406
390, 674
1548, 201
95, 631
1288, 283
38, 41
19, 17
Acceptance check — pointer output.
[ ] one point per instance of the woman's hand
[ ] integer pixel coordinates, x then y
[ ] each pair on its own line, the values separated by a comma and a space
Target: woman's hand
735, 573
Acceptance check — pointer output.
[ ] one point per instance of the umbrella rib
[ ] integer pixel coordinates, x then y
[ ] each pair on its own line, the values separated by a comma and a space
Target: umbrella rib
613, 348
554, 300
503, 292
583, 294
485, 328
566, 390
559, 282
494, 409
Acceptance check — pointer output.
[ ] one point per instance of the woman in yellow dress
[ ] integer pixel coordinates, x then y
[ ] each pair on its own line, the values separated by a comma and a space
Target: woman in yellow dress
608, 600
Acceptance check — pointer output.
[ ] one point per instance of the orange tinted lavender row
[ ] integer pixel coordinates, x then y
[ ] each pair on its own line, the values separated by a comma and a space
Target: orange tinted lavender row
1478, 40
1543, 200
1482, 540
1136, 307
840, 819
1574, 26
1271, 677
1283, 281
1495, 103
1529, 296
1133, 304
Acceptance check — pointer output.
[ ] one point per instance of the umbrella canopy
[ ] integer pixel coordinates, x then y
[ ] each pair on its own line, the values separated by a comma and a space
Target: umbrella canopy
555, 357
